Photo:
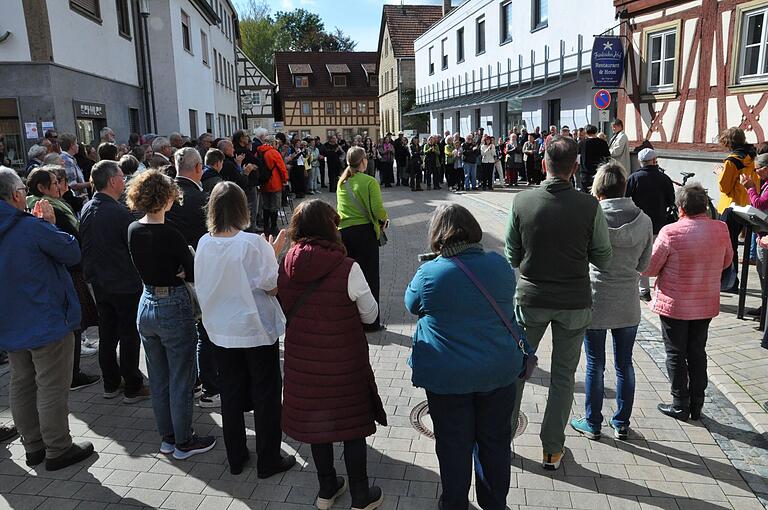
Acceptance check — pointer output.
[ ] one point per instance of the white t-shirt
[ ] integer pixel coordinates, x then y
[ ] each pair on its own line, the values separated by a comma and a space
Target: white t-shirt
232, 278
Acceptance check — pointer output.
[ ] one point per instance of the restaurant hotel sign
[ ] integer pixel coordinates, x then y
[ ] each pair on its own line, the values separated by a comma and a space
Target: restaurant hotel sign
607, 62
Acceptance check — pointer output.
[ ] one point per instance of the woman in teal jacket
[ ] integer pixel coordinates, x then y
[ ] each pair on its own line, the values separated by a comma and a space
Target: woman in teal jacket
468, 362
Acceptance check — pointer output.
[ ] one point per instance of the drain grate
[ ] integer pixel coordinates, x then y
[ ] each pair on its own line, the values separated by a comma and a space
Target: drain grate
422, 423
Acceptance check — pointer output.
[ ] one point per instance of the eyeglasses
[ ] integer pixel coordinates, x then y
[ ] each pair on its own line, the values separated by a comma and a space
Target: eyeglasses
25, 189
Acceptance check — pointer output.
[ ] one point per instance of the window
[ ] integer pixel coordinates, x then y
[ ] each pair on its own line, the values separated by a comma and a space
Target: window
193, 123
480, 36
208, 122
372, 80
329, 133
216, 64
386, 47
330, 108
539, 14
256, 98
339, 80
753, 47
133, 120
346, 108
431, 64
306, 108
123, 18
88, 8
661, 60
362, 107
444, 53
185, 33
460, 45
392, 80
301, 82
204, 46
222, 125
506, 23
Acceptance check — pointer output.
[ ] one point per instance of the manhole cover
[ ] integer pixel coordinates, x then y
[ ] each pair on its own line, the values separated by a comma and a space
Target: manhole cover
421, 421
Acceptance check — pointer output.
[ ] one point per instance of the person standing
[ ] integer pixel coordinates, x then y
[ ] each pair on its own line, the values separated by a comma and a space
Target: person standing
467, 363
332, 153
77, 181
271, 191
387, 154
487, 161
401, 158
214, 162
414, 164
530, 154
553, 234
314, 174
236, 283
616, 302
619, 145
34, 256
469, 154
593, 152
363, 219
326, 401
107, 266
430, 162
165, 318
652, 191
688, 259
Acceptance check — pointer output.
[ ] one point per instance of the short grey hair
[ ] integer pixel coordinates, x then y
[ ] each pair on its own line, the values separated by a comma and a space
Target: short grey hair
560, 156
53, 158
9, 183
610, 180
105, 131
187, 158
260, 133
761, 160
160, 143
67, 140
692, 198
176, 136
37, 152
102, 172
269, 139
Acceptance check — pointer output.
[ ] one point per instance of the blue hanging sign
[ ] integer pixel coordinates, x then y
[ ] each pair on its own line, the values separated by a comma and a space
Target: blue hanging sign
607, 61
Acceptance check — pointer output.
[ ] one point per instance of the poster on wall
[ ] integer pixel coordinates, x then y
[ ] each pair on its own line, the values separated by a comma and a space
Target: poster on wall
31, 129
47, 125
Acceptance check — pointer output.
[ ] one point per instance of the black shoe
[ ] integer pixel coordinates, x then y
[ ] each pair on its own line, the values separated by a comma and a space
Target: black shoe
673, 411
82, 380
696, 411
284, 465
237, 467
370, 501
35, 458
196, 445
75, 454
327, 497
645, 296
755, 312
3, 358
7, 433
373, 328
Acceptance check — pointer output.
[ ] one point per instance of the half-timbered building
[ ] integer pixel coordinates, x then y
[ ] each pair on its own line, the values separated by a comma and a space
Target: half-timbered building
694, 68
257, 94
324, 93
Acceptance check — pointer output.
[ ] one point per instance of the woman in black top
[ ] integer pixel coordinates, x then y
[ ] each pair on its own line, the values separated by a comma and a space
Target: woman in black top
166, 320
414, 164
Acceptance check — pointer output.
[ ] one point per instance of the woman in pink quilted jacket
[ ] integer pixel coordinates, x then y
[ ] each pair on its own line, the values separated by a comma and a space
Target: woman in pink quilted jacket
688, 259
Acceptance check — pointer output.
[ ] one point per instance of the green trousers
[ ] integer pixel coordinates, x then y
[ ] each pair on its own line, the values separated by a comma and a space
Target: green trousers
568, 327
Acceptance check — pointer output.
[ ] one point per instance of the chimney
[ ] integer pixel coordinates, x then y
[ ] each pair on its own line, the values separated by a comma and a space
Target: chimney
446, 7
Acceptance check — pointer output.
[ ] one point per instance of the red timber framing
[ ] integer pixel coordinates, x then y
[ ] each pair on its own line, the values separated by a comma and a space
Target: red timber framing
713, 33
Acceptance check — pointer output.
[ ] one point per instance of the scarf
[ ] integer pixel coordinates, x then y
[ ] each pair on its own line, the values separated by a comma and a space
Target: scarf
450, 250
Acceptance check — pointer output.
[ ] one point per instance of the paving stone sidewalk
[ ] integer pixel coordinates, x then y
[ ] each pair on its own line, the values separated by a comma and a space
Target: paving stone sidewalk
665, 464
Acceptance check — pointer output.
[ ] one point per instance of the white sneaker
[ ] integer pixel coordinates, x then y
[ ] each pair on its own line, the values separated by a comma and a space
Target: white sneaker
90, 342
87, 352
209, 401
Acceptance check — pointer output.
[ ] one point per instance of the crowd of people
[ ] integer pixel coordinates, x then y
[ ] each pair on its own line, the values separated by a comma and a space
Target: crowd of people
159, 244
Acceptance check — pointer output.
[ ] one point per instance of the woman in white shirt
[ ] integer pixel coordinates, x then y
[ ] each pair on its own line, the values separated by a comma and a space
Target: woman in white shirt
330, 393
236, 283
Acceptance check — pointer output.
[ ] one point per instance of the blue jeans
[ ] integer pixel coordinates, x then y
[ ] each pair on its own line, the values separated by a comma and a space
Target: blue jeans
167, 329
479, 423
206, 362
594, 346
470, 175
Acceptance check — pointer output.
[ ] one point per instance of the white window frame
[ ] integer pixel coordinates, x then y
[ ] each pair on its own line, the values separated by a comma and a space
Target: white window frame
662, 86
308, 111
204, 47
505, 25
460, 44
478, 21
331, 110
444, 53
299, 80
431, 61
346, 108
186, 28
762, 61
362, 108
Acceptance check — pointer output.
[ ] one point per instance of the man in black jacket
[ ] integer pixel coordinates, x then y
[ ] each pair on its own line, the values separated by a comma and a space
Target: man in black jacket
117, 287
233, 169
333, 154
593, 151
652, 191
190, 218
401, 158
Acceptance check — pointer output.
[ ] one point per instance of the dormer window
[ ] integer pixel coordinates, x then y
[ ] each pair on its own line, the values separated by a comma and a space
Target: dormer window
339, 80
301, 81
300, 73
338, 74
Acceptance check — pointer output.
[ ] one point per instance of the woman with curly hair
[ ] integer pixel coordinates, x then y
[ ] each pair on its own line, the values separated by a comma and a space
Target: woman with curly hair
166, 320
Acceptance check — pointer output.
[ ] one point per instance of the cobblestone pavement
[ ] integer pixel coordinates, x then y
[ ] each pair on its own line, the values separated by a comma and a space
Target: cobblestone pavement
715, 463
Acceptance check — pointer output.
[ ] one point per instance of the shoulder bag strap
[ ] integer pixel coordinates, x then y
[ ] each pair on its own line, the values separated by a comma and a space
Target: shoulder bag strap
356, 201
491, 301
311, 288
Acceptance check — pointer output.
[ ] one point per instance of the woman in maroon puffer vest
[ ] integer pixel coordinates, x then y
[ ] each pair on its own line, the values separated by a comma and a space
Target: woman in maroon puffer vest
330, 394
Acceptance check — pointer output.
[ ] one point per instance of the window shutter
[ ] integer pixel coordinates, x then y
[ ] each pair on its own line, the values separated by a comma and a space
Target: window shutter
89, 6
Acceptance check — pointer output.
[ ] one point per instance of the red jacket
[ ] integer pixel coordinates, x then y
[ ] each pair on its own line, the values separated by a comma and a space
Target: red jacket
329, 394
688, 259
274, 161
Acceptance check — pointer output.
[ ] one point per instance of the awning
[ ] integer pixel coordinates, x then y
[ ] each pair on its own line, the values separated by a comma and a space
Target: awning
493, 96
300, 68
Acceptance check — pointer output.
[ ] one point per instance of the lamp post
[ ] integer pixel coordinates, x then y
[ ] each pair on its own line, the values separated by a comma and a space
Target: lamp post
149, 90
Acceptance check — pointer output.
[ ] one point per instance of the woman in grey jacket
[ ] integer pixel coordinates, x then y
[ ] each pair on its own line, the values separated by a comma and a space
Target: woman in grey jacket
616, 304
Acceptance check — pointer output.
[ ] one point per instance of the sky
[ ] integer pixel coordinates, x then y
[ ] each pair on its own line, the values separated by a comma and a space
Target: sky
360, 19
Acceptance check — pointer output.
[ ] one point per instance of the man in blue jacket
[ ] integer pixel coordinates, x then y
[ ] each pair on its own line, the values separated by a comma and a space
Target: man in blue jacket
42, 310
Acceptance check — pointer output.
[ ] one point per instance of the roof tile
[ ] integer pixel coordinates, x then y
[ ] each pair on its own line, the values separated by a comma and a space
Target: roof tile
407, 22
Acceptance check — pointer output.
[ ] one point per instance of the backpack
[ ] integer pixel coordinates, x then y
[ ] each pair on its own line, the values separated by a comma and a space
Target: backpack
264, 172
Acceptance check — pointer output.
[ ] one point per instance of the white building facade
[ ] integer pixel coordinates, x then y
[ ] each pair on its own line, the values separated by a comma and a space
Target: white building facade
496, 64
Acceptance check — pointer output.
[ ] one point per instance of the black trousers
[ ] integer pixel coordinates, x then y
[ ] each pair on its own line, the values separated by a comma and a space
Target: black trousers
685, 343
734, 229
298, 180
355, 460
251, 380
386, 175
270, 222
322, 173
429, 174
333, 178
363, 247
475, 425
402, 173
117, 327
486, 175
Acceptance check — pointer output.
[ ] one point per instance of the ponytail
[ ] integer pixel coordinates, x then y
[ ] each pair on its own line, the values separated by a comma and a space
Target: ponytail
355, 157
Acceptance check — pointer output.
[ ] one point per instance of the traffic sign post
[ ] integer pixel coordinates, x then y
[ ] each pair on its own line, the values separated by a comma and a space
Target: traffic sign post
602, 99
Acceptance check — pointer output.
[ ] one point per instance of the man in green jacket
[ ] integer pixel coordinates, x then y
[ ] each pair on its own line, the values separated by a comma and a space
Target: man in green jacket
553, 234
